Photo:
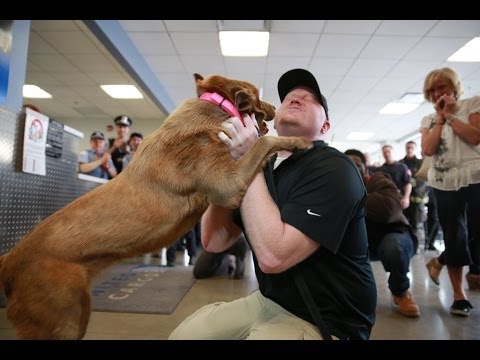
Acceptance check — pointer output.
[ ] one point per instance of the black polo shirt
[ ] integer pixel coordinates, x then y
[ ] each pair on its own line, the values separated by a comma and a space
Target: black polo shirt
321, 193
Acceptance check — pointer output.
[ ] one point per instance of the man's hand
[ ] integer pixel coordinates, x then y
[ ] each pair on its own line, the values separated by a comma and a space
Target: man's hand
238, 138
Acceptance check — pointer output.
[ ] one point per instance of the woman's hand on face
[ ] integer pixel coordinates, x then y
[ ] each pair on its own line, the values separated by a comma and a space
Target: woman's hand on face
238, 138
445, 105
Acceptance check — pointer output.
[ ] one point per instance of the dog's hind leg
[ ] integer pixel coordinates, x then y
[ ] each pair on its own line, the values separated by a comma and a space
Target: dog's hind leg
53, 304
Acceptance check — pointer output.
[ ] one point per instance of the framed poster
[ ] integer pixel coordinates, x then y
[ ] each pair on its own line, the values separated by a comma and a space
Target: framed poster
35, 140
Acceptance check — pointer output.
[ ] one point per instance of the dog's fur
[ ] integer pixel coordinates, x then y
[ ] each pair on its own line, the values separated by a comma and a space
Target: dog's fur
177, 172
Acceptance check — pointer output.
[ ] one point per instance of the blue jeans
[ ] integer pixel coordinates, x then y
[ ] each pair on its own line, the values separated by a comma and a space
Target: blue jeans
395, 251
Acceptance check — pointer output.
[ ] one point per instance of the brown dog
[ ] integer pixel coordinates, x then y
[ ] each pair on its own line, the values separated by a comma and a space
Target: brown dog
177, 172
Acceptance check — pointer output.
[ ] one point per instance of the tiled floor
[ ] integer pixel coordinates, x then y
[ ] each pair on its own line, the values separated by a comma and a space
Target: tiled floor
435, 322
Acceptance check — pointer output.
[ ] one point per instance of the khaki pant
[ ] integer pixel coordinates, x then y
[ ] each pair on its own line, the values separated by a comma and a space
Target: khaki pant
252, 318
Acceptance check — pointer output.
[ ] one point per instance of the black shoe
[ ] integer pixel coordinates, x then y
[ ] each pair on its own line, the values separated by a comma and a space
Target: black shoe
431, 248
191, 261
239, 268
461, 307
170, 264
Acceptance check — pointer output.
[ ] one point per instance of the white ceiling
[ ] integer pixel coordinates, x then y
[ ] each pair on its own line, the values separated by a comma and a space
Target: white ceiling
361, 65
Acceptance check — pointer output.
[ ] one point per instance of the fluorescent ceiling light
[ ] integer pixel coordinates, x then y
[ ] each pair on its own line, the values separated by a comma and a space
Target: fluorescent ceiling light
407, 103
470, 52
122, 91
244, 43
398, 108
358, 135
35, 92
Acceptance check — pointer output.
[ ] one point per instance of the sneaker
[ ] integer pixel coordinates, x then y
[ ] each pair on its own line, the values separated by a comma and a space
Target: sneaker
170, 264
406, 305
434, 268
461, 307
473, 281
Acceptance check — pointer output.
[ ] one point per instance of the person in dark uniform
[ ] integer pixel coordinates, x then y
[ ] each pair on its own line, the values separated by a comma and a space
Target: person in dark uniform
416, 212
304, 219
118, 146
213, 263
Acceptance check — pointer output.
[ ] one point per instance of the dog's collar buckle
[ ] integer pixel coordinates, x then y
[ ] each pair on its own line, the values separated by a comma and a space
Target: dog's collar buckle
224, 103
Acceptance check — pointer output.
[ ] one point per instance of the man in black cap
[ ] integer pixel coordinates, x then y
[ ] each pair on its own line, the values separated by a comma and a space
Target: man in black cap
309, 243
119, 145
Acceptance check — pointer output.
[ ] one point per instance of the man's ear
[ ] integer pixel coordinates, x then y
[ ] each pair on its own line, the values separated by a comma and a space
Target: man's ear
325, 127
198, 82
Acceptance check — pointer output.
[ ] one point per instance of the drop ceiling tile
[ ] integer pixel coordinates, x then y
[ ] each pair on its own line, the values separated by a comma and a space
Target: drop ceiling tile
143, 25
196, 43
294, 26
341, 46
351, 26
287, 44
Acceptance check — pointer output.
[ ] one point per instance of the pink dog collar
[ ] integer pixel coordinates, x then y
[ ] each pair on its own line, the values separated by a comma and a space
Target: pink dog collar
224, 103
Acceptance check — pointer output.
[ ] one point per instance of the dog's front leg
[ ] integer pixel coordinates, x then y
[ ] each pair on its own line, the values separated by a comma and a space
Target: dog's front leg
229, 179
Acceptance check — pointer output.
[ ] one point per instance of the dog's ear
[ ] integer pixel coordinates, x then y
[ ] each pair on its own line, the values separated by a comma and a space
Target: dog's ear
198, 82
244, 102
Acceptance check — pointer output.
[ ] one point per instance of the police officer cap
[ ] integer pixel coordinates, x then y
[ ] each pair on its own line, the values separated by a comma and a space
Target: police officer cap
123, 120
97, 135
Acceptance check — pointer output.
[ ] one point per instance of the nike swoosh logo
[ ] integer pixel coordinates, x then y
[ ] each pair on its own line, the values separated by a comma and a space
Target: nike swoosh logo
310, 212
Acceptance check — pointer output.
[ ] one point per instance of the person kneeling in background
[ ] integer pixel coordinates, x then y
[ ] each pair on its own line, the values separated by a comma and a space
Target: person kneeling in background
210, 264
390, 237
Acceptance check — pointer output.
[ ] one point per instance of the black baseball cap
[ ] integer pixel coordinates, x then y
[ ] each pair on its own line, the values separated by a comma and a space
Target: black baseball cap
97, 135
300, 77
123, 120
136, 134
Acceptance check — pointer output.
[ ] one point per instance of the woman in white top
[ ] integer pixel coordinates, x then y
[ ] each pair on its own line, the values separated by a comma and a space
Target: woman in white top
451, 136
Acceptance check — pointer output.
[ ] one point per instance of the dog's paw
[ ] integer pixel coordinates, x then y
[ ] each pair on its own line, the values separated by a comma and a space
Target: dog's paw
301, 144
292, 143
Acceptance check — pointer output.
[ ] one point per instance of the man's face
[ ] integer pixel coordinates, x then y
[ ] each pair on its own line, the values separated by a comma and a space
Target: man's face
358, 162
410, 150
135, 142
98, 145
387, 154
301, 114
122, 130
